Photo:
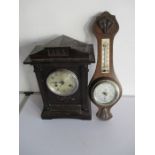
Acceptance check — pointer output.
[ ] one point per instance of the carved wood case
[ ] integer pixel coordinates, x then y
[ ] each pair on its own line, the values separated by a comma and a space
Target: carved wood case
105, 27
63, 53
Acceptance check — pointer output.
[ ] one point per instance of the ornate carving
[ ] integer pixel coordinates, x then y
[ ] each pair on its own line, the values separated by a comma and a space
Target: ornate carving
37, 68
58, 52
107, 23
65, 99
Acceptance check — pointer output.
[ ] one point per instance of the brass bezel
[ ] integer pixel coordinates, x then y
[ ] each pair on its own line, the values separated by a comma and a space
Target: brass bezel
60, 94
118, 92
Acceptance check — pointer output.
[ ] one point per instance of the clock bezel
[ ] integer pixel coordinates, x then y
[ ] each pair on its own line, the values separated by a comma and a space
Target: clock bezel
60, 94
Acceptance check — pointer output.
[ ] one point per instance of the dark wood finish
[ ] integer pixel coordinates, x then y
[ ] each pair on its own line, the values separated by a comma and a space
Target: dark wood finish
62, 49
105, 26
63, 52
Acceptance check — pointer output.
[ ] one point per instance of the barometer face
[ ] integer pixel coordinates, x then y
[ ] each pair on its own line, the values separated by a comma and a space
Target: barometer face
105, 92
62, 82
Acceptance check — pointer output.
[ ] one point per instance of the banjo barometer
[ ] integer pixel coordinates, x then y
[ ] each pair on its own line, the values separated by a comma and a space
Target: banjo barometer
104, 88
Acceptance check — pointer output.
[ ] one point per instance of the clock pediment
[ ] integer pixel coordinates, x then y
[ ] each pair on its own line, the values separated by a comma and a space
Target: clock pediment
62, 48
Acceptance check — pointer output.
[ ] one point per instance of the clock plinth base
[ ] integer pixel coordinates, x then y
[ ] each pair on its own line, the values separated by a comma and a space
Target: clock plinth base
78, 114
56, 114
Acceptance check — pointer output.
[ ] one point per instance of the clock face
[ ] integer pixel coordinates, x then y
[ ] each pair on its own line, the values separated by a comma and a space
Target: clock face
62, 82
105, 92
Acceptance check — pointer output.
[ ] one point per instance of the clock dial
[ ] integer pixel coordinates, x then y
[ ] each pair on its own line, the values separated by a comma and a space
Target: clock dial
105, 92
62, 82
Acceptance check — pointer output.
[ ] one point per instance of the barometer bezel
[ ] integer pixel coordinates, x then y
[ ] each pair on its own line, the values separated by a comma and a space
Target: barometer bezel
117, 88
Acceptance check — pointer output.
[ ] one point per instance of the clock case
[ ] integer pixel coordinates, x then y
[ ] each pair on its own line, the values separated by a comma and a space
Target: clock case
63, 53
105, 27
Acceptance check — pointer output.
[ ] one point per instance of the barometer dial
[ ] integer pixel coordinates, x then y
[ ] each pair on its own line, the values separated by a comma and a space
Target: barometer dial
105, 92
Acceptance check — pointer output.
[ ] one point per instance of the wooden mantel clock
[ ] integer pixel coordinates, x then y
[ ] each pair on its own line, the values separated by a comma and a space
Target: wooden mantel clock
104, 88
61, 68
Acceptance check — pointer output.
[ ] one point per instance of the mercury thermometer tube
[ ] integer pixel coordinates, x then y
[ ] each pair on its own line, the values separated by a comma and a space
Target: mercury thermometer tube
105, 55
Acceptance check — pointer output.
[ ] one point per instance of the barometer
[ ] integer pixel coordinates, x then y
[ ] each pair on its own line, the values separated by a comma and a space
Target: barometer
104, 88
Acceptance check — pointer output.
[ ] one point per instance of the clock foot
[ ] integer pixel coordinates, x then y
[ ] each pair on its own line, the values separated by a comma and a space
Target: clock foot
104, 113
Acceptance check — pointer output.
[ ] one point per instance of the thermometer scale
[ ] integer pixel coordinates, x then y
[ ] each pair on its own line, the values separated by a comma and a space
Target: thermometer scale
105, 56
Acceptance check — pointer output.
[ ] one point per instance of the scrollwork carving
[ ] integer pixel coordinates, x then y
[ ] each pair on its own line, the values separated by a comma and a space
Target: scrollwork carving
107, 23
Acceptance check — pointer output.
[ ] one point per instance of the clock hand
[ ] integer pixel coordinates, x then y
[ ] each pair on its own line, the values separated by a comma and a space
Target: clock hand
104, 93
61, 82
70, 85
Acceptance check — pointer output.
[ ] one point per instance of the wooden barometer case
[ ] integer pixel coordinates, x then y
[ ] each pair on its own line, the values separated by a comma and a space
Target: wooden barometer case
104, 88
61, 68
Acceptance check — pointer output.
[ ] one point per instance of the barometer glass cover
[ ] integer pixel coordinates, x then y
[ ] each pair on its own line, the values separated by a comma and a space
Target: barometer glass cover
105, 92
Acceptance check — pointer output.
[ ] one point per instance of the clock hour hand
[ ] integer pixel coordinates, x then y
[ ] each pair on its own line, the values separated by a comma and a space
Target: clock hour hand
61, 82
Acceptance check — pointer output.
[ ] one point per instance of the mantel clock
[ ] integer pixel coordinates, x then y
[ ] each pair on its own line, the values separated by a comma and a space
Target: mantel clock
61, 68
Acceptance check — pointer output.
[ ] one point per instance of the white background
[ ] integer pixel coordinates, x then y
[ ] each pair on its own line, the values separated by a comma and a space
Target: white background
74, 136
43, 20
145, 106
